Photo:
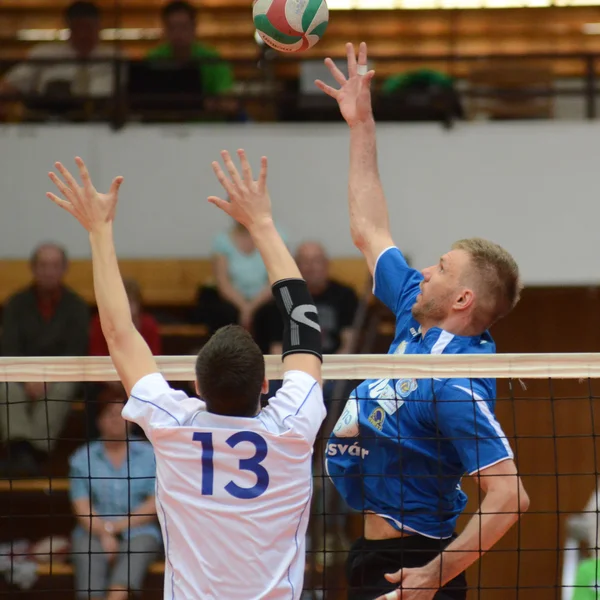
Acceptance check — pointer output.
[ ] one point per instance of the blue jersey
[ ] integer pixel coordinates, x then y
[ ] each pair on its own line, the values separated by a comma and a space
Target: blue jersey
402, 446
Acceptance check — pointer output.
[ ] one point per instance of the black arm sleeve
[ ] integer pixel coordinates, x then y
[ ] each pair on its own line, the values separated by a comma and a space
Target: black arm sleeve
301, 328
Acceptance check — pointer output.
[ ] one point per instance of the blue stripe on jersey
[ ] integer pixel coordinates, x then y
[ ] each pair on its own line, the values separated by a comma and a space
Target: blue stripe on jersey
402, 446
166, 541
301, 405
157, 406
296, 534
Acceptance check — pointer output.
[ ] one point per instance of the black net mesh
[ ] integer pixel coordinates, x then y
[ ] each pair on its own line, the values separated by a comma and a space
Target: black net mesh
44, 552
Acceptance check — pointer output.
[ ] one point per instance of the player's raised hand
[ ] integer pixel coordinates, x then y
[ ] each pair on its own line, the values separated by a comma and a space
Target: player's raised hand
354, 93
88, 206
415, 584
249, 202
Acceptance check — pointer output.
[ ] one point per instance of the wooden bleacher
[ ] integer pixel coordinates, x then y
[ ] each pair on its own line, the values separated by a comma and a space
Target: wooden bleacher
168, 286
227, 25
164, 282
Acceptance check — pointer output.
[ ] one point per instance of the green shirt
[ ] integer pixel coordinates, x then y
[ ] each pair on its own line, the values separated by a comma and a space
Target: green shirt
587, 580
396, 83
217, 77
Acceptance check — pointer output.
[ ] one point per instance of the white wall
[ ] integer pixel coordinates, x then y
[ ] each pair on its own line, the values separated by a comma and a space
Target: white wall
532, 187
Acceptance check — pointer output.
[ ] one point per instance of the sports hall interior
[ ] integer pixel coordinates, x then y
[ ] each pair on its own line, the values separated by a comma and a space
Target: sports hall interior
528, 68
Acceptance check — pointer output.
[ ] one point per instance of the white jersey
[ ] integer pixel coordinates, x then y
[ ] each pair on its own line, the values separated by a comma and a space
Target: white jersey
232, 494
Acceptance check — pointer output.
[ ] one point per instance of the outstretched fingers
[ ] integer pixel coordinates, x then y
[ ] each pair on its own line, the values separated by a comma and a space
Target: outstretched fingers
327, 89
84, 174
231, 169
246, 168
115, 185
62, 188
351, 57
71, 182
220, 203
65, 204
262, 178
362, 58
223, 180
335, 71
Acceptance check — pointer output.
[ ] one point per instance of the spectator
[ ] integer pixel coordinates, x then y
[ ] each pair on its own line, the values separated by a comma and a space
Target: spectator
45, 319
242, 285
335, 302
80, 78
179, 23
112, 484
145, 323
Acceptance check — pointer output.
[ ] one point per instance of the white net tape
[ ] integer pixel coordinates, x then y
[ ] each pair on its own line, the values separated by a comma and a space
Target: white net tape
350, 366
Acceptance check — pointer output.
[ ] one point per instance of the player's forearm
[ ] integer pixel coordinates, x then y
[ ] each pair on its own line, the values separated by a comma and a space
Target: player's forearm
229, 293
144, 513
261, 298
88, 518
275, 254
499, 511
346, 338
367, 204
111, 298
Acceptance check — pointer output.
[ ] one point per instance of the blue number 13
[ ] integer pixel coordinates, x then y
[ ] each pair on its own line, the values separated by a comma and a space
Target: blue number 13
251, 464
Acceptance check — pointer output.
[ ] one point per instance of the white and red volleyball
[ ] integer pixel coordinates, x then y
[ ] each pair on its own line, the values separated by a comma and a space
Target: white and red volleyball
290, 25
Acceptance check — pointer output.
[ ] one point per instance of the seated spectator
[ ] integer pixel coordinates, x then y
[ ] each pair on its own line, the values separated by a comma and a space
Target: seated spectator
242, 285
69, 79
45, 319
112, 484
179, 24
336, 303
145, 323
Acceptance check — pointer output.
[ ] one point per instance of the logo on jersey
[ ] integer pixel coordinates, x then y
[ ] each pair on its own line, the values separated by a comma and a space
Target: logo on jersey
347, 425
377, 418
401, 349
383, 392
382, 389
351, 450
404, 387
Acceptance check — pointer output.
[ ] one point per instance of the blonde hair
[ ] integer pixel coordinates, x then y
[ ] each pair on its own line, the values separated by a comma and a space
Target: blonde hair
498, 284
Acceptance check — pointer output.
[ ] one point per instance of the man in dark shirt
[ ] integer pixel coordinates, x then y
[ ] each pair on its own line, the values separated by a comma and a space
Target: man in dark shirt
335, 302
44, 319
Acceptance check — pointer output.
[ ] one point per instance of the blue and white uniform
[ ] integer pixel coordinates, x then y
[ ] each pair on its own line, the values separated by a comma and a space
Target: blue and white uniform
402, 446
232, 493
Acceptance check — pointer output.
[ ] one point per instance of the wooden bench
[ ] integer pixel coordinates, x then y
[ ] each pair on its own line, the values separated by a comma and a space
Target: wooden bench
164, 282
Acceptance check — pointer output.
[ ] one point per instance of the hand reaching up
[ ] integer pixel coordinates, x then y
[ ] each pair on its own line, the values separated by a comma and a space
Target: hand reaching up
354, 93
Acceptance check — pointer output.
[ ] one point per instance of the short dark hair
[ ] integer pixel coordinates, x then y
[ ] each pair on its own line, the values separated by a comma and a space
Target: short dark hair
36, 251
230, 370
81, 10
178, 6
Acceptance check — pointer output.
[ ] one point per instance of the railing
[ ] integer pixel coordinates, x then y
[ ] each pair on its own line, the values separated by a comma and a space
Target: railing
267, 89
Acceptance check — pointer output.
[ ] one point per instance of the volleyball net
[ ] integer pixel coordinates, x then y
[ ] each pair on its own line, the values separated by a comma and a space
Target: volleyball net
51, 409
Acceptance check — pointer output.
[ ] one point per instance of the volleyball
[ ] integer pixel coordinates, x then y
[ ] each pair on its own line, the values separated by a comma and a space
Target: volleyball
290, 25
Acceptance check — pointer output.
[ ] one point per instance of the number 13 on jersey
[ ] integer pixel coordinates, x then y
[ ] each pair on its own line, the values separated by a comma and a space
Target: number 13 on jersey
252, 464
